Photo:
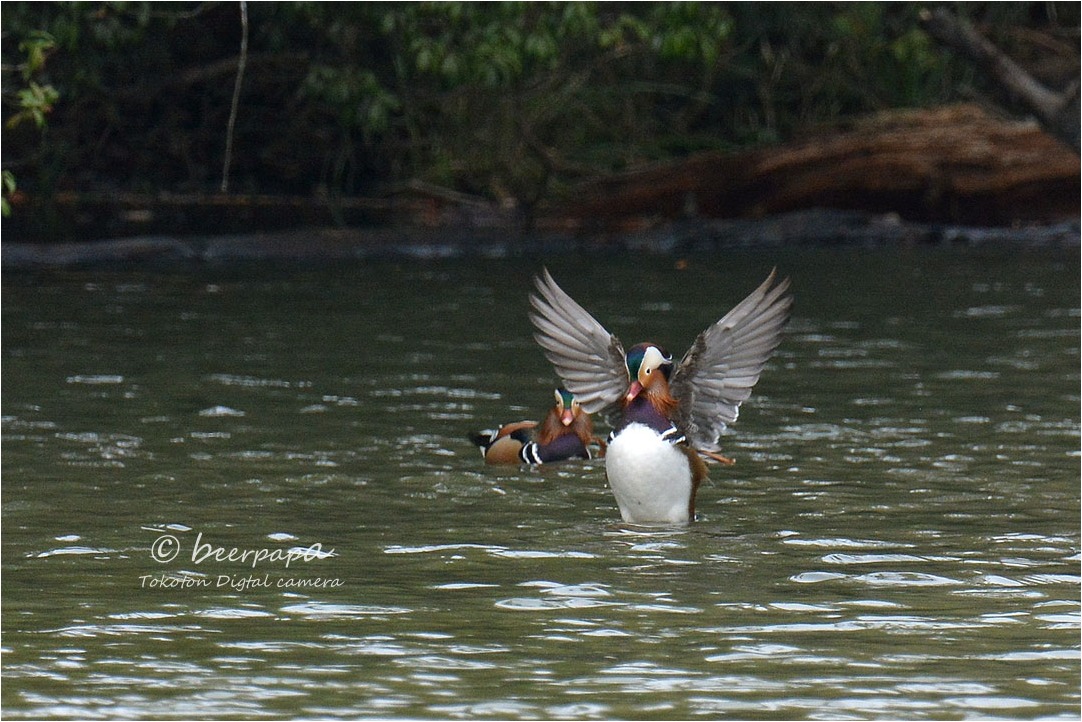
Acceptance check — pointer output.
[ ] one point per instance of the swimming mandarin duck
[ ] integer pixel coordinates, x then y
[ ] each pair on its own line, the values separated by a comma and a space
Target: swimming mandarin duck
565, 433
671, 415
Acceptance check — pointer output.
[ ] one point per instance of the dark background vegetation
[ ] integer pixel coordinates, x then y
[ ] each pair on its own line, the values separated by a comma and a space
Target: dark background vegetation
512, 102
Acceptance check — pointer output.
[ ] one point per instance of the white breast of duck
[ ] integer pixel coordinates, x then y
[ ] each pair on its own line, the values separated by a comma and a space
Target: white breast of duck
650, 476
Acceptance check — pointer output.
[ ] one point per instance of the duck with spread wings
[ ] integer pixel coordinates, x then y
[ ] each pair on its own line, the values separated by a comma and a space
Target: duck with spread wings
671, 414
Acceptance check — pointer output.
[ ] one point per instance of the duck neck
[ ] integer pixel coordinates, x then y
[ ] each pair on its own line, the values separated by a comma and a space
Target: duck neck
643, 410
658, 396
552, 428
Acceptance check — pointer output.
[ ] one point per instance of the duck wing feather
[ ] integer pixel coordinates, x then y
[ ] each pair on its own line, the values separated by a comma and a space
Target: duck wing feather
718, 372
588, 359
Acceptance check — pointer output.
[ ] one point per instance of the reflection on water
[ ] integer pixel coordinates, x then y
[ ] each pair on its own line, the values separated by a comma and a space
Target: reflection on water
899, 537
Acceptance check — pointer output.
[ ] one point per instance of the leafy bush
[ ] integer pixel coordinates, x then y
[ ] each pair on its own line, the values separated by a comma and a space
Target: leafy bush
511, 100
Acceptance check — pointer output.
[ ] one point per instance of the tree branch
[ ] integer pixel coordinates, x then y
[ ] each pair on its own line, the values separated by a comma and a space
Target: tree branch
1058, 112
236, 95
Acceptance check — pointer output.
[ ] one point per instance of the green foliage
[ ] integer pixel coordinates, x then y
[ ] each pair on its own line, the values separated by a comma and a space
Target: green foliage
32, 102
36, 47
7, 180
35, 100
510, 100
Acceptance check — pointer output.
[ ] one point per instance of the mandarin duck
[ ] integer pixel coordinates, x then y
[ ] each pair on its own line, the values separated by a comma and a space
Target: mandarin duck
671, 415
565, 433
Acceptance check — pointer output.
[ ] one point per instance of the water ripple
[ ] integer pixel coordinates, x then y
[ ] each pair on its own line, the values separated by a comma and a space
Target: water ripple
889, 545
327, 610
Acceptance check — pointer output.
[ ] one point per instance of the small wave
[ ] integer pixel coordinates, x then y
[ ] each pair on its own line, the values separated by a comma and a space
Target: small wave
96, 379
220, 411
256, 382
326, 610
73, 551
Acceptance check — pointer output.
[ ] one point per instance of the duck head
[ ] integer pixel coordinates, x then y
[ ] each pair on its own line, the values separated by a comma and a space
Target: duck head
566, 417
648, 367
567, 407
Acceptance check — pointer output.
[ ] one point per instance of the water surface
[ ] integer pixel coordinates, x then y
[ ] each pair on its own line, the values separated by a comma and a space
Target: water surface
247, 493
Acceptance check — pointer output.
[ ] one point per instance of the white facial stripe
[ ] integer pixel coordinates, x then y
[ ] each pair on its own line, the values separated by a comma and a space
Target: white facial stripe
654, 358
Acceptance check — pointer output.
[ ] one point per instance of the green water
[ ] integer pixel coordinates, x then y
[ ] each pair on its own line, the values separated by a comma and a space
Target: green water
898, 539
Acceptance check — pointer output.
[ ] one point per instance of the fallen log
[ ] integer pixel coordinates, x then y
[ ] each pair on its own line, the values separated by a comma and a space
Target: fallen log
953, 164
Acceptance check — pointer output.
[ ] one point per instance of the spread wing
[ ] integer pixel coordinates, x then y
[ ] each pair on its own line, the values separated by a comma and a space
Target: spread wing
718, 372
588, 359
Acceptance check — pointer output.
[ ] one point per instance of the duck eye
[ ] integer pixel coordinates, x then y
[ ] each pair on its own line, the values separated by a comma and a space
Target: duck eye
649, 371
